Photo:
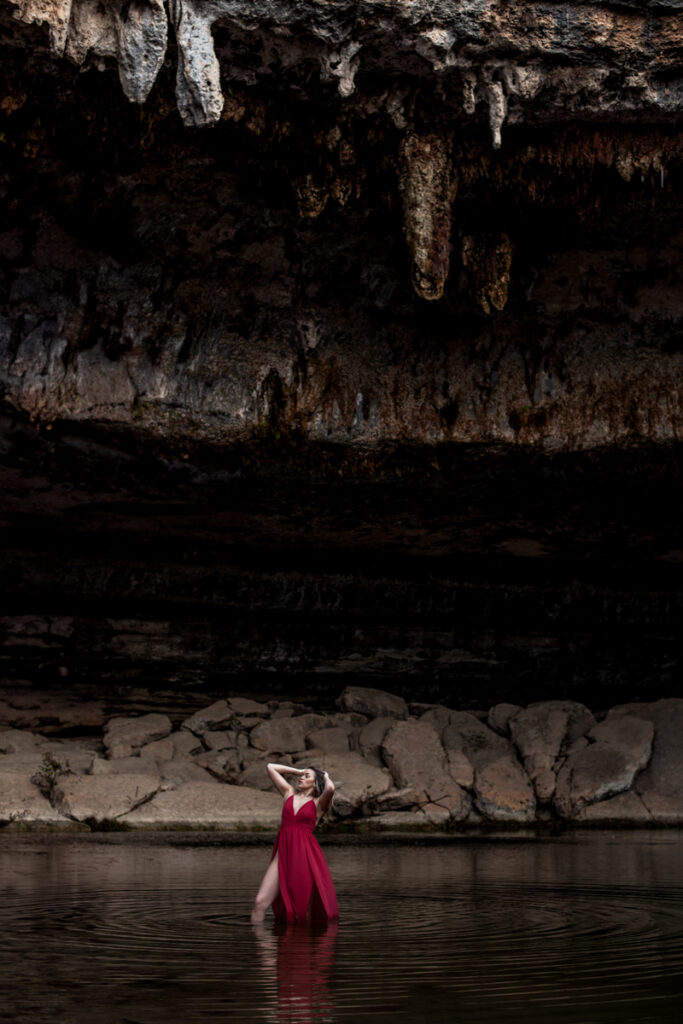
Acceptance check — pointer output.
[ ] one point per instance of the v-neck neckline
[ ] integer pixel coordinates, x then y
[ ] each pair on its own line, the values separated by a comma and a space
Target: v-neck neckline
309, 801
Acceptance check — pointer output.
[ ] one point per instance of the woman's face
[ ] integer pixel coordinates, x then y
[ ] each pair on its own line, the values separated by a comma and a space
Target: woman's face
307, 781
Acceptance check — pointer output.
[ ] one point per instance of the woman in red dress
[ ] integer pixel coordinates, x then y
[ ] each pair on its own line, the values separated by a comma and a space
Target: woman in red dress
298, 884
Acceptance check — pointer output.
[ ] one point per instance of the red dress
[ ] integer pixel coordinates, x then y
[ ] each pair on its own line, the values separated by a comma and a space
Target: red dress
306, 889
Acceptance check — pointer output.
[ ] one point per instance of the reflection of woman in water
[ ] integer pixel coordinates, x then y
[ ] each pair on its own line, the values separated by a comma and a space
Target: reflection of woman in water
297, 962
298, 884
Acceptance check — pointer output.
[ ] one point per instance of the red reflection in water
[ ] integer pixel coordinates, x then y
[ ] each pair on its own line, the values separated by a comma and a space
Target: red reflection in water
297, 960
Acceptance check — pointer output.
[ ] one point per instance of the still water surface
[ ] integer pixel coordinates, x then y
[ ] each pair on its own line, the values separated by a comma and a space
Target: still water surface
583, 929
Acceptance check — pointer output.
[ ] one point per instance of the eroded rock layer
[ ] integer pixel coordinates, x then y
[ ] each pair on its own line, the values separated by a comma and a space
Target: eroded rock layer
350, 348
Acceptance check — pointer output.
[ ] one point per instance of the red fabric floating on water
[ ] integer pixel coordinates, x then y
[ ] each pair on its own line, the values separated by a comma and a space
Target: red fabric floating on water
306, 889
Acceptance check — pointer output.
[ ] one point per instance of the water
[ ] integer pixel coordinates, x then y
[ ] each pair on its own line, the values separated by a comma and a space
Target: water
584, 928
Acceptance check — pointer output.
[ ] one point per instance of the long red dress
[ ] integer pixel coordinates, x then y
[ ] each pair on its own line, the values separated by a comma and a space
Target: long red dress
306, 889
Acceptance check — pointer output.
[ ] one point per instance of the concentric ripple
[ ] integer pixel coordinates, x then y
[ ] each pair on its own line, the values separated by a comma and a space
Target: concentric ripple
587, 930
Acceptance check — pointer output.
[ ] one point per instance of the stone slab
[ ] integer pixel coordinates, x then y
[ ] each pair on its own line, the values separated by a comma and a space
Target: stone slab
207, 805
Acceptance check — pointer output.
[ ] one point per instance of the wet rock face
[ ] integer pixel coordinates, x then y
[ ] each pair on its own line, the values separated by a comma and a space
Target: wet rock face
254, 277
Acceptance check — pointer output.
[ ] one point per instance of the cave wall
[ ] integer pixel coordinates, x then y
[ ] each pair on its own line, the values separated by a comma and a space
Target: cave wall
342, 341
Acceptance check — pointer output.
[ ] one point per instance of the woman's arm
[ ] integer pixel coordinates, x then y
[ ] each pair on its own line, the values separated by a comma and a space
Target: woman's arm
275, 772
325, 798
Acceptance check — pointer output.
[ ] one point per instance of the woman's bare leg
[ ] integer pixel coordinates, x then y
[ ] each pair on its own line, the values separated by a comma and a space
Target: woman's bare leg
269, 889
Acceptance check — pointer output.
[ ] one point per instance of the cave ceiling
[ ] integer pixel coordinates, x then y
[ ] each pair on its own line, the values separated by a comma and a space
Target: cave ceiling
360, 318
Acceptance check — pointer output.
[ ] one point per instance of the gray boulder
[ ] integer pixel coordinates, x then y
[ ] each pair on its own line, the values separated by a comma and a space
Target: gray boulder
18, 741
207, 805
125, 766
499, 717
246, 706
223, 765
538, 733
175, 773
124, 736
220, 739
503, 792
356, 781
660, 785
466, 734
373, 703
415, 756
159, 750
216, 716
22, 802
623, 809
286, 735
256, 776
579, 718
371, 737
328, 741
621, 748
102, 797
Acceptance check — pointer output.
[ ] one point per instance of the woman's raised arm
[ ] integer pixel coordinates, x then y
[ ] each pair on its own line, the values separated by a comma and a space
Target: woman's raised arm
276, 771
325, 798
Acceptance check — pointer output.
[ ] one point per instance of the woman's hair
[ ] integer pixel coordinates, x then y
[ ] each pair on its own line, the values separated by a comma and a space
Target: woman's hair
319, 781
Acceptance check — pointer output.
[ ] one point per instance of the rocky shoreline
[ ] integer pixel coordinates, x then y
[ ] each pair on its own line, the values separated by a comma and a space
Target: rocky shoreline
398, 766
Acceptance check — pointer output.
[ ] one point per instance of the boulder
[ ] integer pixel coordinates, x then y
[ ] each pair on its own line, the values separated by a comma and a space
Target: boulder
21, 801
499, 717
220, 740
257, 777
285, 735
18, 741
283, 713
102, 797
660, 785
373, 703
467, 735
579, 718
606, 767
356, 782
207, 805
328, 741
460, 768
246, 722
623, 809
503, 792
70, 755
350, 721
398, 799
216, 716
371, 737
125, 766
246, 706
21, 764
538, 733
125, 736
414, 754
223, 765
159, 750
185, 745
174, 773
631, 735
437, 716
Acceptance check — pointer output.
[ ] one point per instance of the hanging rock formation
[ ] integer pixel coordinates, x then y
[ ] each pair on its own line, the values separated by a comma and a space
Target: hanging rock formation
359, 319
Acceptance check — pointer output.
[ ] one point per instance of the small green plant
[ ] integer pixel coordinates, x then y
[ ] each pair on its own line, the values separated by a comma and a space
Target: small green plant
48, 773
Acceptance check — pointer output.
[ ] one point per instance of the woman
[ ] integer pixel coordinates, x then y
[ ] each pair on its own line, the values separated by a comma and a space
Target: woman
298, 883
